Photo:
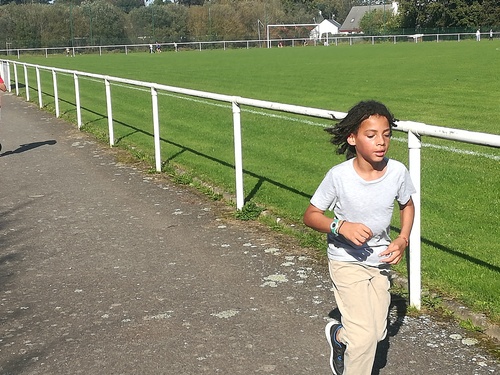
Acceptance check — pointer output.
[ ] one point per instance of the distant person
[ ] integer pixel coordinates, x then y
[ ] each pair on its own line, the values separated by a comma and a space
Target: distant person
361, 192
151, 49
491, 34
478, 35
158, 47
67, 51
175, 46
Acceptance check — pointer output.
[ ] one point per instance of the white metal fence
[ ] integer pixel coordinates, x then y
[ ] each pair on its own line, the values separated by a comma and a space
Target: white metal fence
255, 43
415, 131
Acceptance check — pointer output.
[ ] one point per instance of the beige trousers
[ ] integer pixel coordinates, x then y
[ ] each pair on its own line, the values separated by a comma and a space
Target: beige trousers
363, 298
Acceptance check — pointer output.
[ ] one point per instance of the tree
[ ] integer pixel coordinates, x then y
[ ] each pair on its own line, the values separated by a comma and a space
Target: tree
128, 5
105, 23
190, 2
449, 13
32, 23
5, 2
141, 24
163, 23
55, 29
22, 24
7, 24
491, 13
378, 22
197, 23
230, 19
67, 2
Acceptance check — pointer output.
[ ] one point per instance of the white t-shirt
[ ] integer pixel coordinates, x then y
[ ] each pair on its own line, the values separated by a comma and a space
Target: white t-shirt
369, 202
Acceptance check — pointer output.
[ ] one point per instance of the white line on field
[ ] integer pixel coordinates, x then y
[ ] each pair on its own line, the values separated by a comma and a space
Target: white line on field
453, 149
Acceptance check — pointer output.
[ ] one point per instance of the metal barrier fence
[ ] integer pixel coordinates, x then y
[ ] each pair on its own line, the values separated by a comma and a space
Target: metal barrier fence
415, 131
256, 43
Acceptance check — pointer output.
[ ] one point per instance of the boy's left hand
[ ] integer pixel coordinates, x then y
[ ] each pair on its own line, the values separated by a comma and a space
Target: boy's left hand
394, 252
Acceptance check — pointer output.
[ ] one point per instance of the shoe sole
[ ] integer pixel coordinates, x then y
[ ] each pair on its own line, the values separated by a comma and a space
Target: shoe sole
328, 335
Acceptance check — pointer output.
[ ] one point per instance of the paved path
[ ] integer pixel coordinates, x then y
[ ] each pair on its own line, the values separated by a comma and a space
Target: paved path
107, 270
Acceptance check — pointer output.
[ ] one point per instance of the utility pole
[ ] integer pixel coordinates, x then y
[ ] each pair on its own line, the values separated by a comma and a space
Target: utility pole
153, 21
71, 22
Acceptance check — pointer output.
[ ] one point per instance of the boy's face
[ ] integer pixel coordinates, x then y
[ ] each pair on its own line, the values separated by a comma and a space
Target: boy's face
372, 139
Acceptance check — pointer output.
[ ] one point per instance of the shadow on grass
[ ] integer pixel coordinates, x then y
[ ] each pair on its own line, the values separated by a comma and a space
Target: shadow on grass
463, 256
456, 253
136, 130
261, 180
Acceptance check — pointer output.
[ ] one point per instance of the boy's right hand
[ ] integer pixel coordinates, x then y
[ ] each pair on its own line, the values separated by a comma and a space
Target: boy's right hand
357, 233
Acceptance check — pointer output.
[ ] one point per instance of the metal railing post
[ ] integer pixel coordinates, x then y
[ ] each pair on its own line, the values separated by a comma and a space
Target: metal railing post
414, 255
8, 77
238, 155
56, 95
39, 86
77, 101
110, 113
16, 78
156, 128
26, 84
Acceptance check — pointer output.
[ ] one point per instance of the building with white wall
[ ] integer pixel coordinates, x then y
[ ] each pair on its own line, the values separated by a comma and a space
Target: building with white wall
324, 28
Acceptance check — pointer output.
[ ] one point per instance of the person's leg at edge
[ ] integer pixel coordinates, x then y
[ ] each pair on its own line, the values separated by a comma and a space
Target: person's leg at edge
363, 299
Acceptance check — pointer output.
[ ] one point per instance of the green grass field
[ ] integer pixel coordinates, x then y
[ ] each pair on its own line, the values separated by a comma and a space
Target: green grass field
452, 84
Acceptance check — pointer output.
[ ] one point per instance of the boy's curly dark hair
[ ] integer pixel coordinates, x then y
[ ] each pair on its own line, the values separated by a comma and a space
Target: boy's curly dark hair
350, 124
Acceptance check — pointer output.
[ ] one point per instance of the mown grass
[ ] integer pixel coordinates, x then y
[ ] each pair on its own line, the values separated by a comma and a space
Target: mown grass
453, 84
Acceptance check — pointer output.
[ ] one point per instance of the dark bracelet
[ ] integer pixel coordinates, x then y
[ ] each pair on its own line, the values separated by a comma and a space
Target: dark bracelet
340, 226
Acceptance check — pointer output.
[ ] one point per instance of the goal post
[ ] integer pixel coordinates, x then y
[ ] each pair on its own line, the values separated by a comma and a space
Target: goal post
306, 26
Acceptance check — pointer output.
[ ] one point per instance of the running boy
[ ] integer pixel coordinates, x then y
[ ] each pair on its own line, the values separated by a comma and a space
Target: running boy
361, 192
